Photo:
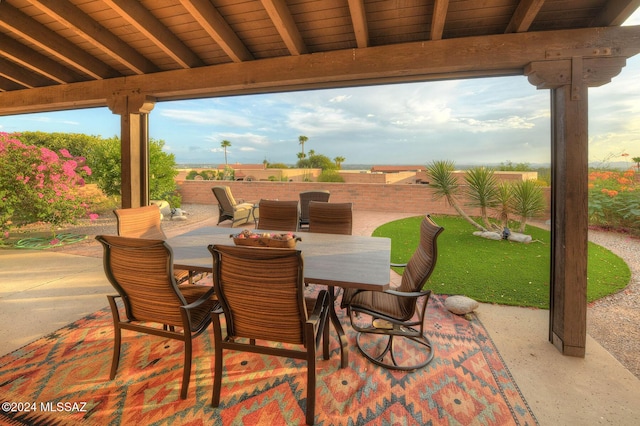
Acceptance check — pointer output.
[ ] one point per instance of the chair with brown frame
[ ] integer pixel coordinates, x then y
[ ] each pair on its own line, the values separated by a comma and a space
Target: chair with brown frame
238, 212
393, 312
305, 198
331, 218
141, 271
145, 222
262, 300
279, 215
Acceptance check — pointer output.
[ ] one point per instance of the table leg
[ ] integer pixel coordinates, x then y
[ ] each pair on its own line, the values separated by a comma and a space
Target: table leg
344, 355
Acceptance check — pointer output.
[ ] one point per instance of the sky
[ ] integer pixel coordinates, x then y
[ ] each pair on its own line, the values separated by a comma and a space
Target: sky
474, 121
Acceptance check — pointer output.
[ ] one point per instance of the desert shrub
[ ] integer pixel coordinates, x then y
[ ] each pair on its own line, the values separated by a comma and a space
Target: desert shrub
614, 200
330, 176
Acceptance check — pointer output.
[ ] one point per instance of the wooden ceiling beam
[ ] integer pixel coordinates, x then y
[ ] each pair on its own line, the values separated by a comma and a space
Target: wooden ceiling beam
285, 25
524, 15
616, 12
218, 29
359, 21
21, 75
439, 18
142, 20
16, 22
506, 54
30, 59
8, 85
72, 17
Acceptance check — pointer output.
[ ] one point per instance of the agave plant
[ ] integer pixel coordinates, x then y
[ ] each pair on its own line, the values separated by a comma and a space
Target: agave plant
446, 185
482, 190
503, 203
527, 201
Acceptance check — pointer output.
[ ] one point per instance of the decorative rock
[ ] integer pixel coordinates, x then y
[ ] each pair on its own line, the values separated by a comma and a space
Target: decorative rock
488, 234
520, 238
178, 214
460, 305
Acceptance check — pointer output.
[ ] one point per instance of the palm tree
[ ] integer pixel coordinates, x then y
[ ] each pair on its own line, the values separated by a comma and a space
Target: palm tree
339, 161
637, 161
482, 190
225, 144
446, 185
301, 140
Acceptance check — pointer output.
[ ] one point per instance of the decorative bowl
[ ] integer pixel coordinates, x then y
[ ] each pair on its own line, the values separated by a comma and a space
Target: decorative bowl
247, 238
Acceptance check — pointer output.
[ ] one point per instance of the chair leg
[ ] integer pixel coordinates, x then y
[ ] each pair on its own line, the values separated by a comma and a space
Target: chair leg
217, 370
378, 359
186, 373
311, 386
325, 340
115, 360
117, 336
342, 338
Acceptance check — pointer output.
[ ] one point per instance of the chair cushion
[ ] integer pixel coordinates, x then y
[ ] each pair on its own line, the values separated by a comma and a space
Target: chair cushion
460, 305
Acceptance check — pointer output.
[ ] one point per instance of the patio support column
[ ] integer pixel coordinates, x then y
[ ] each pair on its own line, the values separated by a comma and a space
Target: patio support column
133, 109
569, 79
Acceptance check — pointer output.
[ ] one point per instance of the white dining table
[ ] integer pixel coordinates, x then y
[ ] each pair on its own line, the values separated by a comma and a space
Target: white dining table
347, 261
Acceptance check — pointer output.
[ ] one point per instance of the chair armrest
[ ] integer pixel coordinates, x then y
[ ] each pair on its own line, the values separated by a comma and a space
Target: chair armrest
413, 294
321, 303
408, 293
203, 299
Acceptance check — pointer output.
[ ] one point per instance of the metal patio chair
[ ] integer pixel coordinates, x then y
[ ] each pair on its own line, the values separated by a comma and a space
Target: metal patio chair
393, 312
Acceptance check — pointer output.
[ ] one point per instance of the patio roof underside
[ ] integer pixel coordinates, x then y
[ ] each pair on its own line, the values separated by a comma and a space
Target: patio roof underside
64, 54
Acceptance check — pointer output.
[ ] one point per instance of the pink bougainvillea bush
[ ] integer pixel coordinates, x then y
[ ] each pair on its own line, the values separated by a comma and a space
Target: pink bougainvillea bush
39, 185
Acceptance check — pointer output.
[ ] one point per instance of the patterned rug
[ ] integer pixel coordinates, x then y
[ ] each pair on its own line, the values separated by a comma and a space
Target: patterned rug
63, 379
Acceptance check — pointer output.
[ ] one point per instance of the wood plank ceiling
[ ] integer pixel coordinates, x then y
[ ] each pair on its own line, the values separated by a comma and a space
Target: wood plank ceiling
48, 43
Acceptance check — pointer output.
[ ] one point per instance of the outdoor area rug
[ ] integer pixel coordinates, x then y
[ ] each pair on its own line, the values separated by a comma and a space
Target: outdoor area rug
63, 378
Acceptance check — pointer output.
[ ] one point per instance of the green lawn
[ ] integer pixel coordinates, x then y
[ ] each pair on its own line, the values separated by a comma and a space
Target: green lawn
500, 272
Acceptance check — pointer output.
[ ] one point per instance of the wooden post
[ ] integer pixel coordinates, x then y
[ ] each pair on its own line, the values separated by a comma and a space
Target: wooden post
134, 130
569, 80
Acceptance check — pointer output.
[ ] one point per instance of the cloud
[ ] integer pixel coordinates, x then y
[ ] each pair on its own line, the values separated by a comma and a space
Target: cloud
210, 117
341, 98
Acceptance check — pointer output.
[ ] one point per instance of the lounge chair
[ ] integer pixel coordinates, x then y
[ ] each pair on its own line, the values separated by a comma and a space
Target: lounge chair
238, 213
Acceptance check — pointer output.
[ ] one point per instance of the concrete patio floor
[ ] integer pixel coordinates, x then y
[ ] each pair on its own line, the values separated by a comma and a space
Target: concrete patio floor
42, 291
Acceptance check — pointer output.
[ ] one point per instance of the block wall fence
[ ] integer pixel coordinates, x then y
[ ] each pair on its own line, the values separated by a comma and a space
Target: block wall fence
364, 196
